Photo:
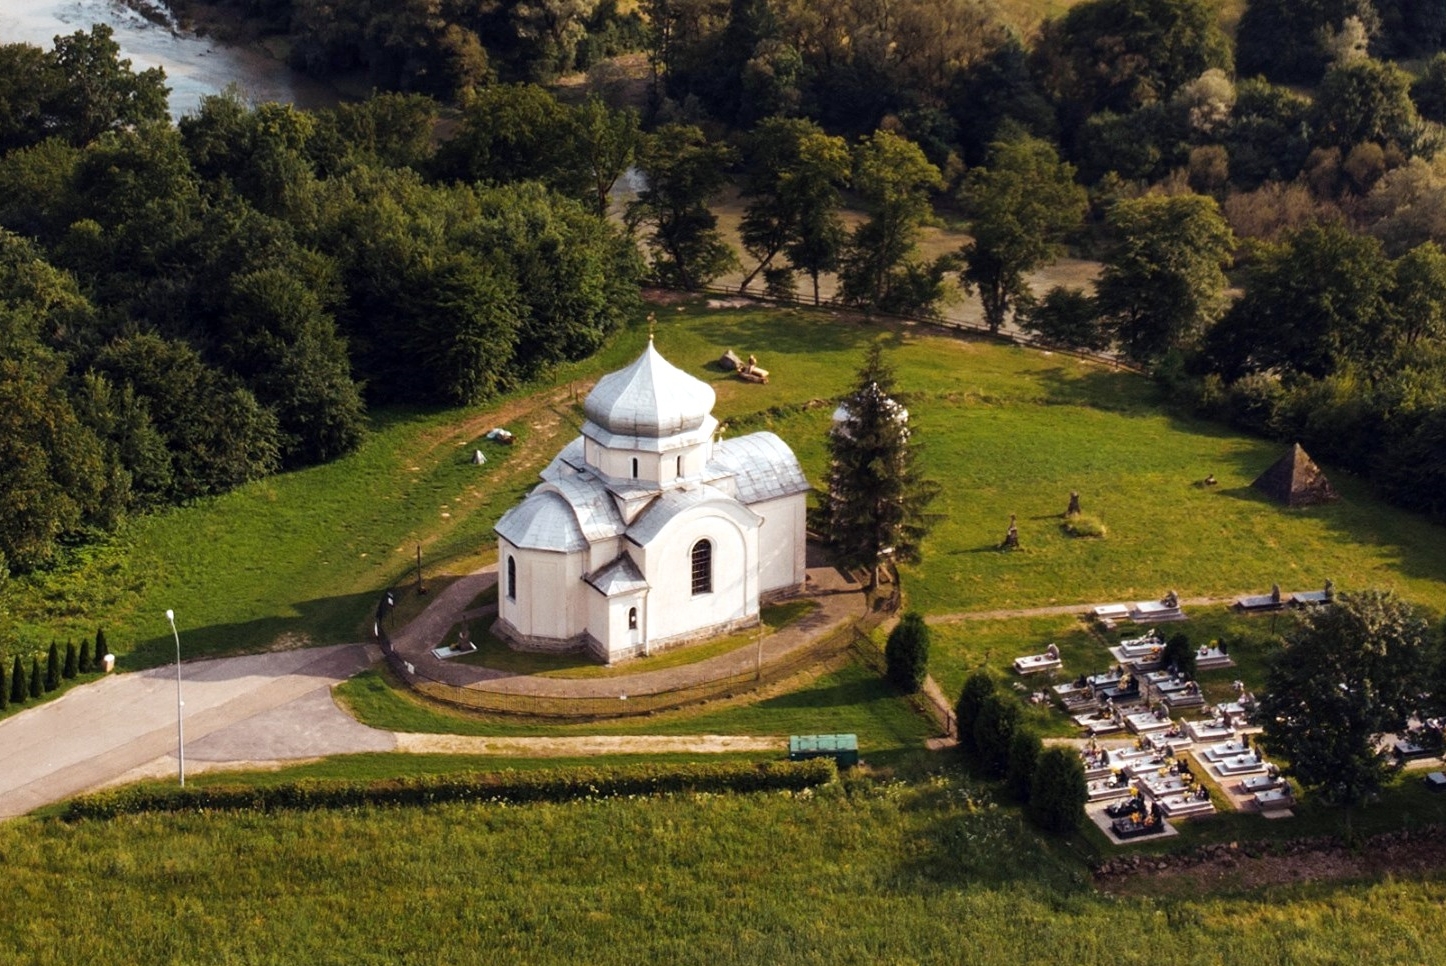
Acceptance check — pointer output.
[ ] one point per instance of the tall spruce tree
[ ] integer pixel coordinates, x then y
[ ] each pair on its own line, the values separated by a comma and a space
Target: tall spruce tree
877, 495
17, 682
52, 668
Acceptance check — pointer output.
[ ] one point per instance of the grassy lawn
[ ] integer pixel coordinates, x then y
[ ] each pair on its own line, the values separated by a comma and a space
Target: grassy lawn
847, 698
495, 653
861, 872
302, 557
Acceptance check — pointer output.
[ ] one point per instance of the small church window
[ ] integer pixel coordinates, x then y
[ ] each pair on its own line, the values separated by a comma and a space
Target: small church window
511, 578
635, 467
702, 567
632, 618
679, 471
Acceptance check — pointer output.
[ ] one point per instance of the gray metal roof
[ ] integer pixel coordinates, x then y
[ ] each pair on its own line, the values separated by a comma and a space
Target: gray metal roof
568, 461
542, 521
673, 502
762, 467
619, 577
651, 398
596, 513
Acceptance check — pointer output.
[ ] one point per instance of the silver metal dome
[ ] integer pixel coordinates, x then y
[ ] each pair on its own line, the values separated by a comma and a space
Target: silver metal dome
652, 398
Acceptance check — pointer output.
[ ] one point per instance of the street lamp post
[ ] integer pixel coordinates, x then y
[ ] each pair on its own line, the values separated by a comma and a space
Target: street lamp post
180, 733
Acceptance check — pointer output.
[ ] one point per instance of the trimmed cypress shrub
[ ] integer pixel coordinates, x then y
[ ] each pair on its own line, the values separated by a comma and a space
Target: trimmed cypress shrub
994, 731
86, 666
1057, 796
977, 687
35, 689
1024, 751
17, 682
52, 668
4, 691
72, 661
101, 649
907, 653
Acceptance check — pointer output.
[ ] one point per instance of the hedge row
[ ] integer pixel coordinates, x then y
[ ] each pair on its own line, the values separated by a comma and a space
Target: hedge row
551, 785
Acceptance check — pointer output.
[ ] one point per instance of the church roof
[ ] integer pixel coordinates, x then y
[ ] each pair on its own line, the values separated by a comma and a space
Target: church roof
597, 514
675, 502
651, 398
543, 521
762, 466
619, 577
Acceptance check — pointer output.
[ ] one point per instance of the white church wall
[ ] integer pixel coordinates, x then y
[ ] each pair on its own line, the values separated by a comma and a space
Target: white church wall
781, 564
674, 611
548, 604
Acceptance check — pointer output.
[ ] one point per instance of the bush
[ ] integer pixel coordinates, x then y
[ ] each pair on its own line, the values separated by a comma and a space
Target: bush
101, 648
17, 682
1024, 751
1084, 525
977, 687
4, 691
86, 666
35, 688
994, 732
1179, 654
72, 661
1057, 795
907, 653
52, 668
552, 785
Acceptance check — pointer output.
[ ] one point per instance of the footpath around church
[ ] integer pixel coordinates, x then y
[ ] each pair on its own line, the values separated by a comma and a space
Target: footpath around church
840, 601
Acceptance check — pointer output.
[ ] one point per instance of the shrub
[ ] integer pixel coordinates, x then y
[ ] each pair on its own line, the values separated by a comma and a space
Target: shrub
101, 648
1057, 795
907, 653
4, 692
52, 668
552, 785
86, 666
1179, 654
1024, 751
35, 688
72, 661
977, 687
994, 732
1084, 525
17, 682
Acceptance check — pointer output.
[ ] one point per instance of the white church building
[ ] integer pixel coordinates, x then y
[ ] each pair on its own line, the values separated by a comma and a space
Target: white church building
647, 531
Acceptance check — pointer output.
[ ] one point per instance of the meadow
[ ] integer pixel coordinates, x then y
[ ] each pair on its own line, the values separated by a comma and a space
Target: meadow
929, 871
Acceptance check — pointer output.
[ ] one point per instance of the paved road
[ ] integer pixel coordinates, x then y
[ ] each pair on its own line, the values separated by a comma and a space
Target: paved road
261, 707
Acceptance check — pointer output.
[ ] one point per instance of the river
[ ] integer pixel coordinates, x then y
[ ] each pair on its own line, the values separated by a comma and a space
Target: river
195, 66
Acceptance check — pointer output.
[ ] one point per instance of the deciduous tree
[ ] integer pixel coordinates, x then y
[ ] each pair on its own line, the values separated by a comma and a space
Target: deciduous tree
1020, 207
1350, 674
1164, 278
684, 170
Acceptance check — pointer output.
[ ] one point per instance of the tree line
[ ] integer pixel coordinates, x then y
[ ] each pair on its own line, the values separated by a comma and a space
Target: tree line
186, 307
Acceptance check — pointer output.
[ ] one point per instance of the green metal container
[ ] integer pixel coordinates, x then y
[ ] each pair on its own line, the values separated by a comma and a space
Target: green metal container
844, 749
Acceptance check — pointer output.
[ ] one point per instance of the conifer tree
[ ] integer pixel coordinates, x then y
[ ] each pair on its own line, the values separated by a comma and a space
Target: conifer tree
17, 682
907, 653
877, 496
72, 663
35, 689
101, 648
85, 663
52, 668
4, 691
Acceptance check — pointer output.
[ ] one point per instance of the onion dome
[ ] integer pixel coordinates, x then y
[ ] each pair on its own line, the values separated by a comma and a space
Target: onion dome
652, 398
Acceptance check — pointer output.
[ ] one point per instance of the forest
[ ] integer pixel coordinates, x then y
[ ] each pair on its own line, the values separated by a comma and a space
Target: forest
189, 306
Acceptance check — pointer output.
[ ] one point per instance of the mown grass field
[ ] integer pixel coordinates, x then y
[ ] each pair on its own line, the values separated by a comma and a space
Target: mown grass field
302, 557
887, 872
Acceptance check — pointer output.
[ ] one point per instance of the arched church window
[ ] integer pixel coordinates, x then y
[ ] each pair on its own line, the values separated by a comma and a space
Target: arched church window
511, 578
702, 567
679, 471
635, 467
632, 618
